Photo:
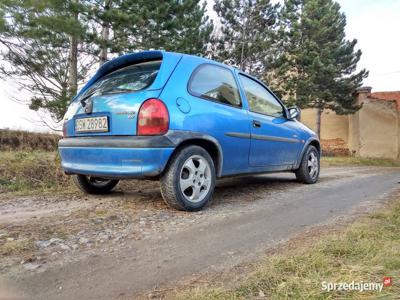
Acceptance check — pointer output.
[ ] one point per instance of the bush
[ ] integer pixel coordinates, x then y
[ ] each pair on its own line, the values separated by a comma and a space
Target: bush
23, 140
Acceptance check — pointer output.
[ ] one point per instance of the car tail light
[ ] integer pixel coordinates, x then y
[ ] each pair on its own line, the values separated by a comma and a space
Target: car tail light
153, 118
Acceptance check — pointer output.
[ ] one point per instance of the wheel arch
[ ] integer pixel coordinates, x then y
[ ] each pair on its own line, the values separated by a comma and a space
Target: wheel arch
313, 142
209, 143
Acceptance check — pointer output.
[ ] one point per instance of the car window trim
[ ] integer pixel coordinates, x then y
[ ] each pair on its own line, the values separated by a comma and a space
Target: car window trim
210, 98
264, 86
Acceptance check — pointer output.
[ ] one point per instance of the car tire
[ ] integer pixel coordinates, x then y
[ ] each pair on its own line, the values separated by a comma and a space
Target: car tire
94, 185
189, 179
308, 172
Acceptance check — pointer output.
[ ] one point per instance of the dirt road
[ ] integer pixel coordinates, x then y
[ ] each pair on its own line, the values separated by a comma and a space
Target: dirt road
122, 245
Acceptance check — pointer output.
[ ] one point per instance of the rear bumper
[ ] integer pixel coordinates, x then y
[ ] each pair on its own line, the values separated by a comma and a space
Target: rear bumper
116, 157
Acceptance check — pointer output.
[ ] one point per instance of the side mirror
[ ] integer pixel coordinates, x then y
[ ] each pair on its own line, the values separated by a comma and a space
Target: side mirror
294, 113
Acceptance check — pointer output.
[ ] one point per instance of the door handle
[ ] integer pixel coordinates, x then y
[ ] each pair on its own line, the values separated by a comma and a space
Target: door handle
256, 124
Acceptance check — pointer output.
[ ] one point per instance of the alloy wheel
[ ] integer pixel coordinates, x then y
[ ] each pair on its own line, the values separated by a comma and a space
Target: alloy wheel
195, 178
312, 165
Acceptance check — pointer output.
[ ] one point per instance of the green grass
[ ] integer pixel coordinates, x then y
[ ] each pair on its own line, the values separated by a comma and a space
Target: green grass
31, 171
338, 161
367, 251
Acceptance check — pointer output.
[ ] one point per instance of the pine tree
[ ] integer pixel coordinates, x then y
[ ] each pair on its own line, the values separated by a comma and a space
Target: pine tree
317, 66
51, 45
121, 26
247, 34
40, 42
180, 26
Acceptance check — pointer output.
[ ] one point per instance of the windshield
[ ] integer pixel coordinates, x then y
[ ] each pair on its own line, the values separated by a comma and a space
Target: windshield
128, 79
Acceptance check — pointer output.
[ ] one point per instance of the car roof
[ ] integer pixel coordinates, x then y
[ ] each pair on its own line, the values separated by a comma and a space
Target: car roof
206, 60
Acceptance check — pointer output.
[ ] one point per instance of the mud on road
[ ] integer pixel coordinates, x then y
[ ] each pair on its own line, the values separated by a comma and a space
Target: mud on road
47, 240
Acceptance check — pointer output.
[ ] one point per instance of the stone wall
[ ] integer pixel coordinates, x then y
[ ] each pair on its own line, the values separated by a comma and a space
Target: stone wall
378, 129
374, 131
333, 126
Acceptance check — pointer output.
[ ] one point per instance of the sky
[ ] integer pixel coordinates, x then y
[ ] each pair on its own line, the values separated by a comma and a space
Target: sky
375, 24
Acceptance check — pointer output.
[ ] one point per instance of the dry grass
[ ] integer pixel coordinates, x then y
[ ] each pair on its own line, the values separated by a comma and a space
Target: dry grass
28, 162
25, 171
339, 161
23, 140
16, 247
366, 251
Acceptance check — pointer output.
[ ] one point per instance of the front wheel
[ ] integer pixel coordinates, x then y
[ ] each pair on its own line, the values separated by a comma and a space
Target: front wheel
94, 185
189, 180
308, 172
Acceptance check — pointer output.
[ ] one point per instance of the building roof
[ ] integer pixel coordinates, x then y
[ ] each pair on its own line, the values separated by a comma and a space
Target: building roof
388, 96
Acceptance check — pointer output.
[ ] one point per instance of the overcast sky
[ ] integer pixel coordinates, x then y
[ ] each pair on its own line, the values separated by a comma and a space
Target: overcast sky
375, 24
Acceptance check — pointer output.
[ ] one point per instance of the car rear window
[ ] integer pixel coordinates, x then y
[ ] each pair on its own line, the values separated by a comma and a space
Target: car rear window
128, 79
215, 83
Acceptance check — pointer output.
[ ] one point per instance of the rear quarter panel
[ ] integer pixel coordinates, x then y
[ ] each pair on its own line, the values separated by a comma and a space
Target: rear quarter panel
208, 117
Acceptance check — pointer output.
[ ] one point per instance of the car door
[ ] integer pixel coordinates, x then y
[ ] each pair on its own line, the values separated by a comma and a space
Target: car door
274, 139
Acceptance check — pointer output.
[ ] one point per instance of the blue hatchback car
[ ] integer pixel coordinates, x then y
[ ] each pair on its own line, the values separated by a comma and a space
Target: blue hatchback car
184, 120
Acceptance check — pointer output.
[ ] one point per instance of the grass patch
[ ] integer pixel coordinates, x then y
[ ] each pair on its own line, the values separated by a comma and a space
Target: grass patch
338, 161
15, 247
26, 171
366, 251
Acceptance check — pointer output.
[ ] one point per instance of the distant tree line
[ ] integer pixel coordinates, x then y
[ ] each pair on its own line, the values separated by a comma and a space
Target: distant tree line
298, 48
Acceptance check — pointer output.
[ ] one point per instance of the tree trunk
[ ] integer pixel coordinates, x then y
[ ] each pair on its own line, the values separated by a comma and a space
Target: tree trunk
73, 66
319, 114
73, 62
242, 58
242, 65
105, 35
104, 49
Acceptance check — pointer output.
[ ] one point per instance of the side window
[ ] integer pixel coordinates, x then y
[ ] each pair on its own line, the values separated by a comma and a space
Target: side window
260, 99
215, 83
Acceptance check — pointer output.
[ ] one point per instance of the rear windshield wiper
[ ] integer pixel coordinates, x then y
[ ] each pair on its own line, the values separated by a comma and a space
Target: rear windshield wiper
105, 92
83, 100
115, 90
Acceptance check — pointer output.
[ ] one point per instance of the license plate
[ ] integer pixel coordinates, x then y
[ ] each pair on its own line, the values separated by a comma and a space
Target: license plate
94, 124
